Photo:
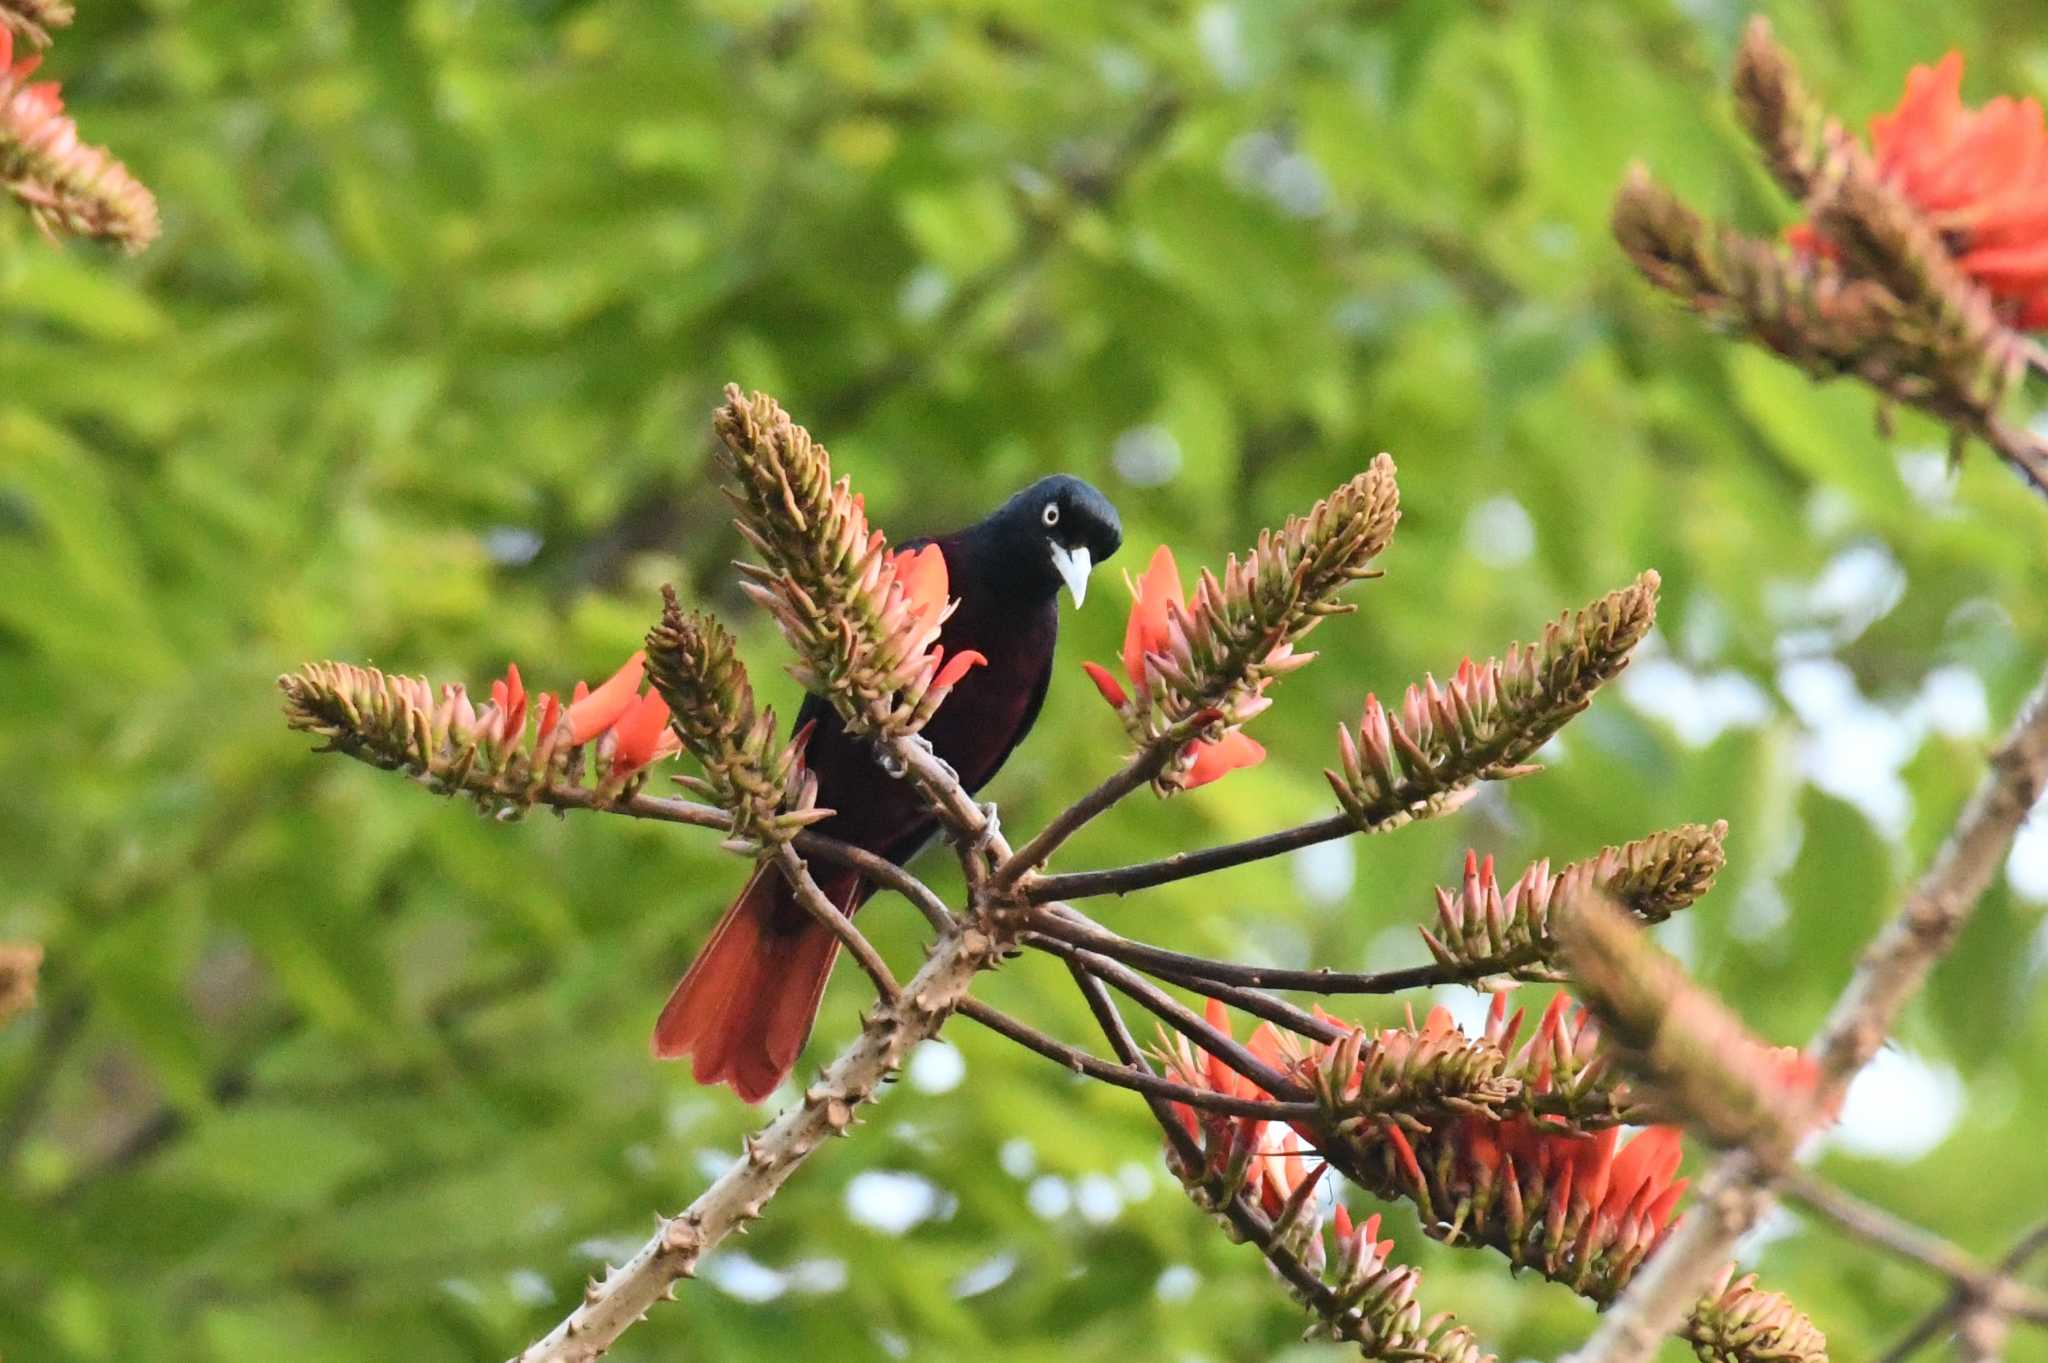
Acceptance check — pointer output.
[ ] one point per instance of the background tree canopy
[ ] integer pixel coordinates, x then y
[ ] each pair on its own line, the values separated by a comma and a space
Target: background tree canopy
419, 374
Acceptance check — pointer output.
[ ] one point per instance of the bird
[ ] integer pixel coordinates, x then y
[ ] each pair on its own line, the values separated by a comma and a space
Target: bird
746, 1005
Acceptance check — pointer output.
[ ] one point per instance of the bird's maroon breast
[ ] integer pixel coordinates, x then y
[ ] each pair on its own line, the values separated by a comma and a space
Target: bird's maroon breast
988, 711
982, 719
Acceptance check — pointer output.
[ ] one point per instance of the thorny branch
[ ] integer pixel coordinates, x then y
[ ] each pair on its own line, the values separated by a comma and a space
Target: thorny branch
1961, 1300
868, 643
1739, 1189
1874, 1225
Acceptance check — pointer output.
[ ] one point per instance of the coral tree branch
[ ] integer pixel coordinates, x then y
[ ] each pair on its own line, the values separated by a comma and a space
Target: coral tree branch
1738, 1190
1483, 725
623, 1295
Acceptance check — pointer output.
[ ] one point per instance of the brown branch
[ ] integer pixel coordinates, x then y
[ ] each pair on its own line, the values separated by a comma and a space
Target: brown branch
1339, 1315
668, 809
1182, 865
1143, 1081
1179, 1017
625, 1294
1738, 1191
1959, 1300
1874, 1225
1197, 971
2025, 452
1147, 763
827, 913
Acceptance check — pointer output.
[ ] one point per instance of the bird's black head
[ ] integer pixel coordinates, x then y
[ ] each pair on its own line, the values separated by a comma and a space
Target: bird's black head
1050, 535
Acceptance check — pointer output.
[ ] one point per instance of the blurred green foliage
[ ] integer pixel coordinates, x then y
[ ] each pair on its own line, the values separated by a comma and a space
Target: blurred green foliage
419, 375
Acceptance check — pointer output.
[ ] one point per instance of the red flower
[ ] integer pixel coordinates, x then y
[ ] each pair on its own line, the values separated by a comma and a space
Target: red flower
921, 573
594, 712
642, 735
1277, 1153
1280, 1166
1979, 175
1584, 1207
630, 727
1158, 611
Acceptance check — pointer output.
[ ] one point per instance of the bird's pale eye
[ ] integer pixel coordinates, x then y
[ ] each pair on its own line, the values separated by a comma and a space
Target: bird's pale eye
1051, 514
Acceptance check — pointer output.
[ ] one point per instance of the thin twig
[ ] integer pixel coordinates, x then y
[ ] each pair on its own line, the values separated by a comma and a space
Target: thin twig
1181, 865
1138, 1081
625, 1294
826, 912
1937, 1320
1342, 1317
1294, 1018
1908, 1241
2019, 447
1147, 763
1084, 932
663, 809
975, 833
1738, 1191
1179, 1017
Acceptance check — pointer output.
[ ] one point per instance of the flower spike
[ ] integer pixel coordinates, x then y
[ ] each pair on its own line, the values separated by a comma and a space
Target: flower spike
864, 621
67, 185
1261, 1179
490, 752
1199, 662
1490, 718
1483, 930
1737, 1322
763, 784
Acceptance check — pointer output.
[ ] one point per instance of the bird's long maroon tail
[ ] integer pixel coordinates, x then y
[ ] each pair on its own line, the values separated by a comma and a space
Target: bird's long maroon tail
745, 1006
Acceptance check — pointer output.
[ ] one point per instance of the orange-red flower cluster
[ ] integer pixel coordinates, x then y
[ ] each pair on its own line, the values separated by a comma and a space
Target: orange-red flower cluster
927, 596
1278, 1165
630, 726
1155, 633
1979, 175
1583, 1207
1275, 1149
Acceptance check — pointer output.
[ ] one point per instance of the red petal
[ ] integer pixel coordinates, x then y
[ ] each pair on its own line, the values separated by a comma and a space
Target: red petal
922, 575
1154, 594
1405, 1152
959, 666
638, 733
598, 711
1107, 684
1265, 1044
1215, 760
1477, 1136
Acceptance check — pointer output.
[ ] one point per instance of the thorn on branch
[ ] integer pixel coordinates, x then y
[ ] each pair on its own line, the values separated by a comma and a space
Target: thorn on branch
21, 966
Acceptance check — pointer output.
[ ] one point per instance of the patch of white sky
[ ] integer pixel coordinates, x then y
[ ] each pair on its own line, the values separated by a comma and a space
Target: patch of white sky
1850, 745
